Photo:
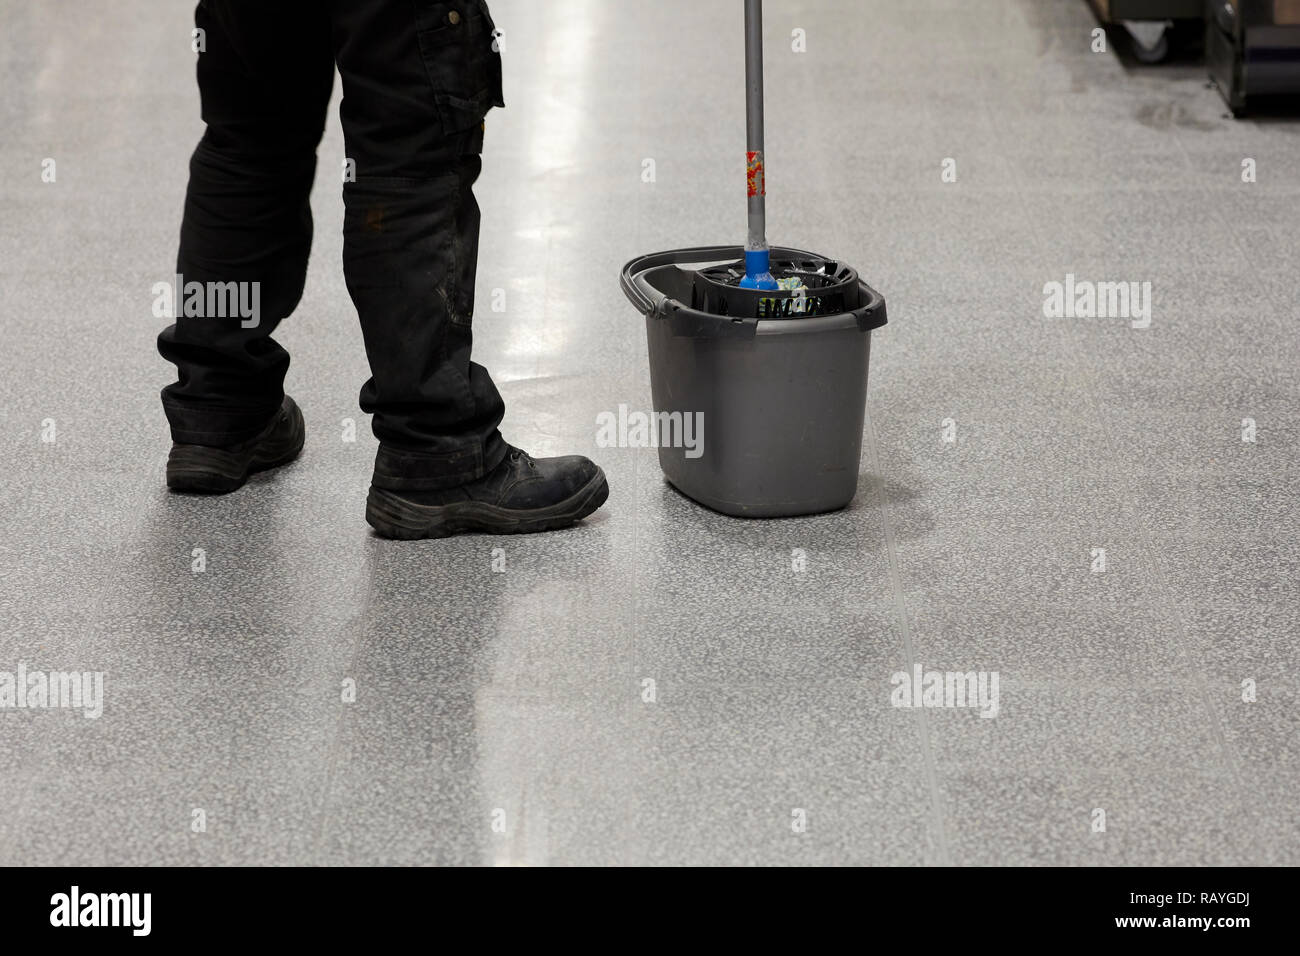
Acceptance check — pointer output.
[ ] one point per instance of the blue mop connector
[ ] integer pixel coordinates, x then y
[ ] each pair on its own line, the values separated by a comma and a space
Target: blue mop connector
758, 270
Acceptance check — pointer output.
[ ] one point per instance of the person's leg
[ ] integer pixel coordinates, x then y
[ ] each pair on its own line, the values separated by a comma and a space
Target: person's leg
418, 78
265, 78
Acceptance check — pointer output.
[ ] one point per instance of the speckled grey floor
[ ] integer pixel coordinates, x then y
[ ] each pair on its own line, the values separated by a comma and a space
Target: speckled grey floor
502, 717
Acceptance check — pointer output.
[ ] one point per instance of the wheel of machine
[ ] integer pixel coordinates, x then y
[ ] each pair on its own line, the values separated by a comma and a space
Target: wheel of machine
1150, 40
1153, 54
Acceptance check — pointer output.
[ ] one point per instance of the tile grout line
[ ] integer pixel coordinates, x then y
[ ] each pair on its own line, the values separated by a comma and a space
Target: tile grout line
909, 651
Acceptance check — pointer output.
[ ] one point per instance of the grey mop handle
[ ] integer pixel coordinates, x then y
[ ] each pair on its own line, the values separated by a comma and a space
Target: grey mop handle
757, 238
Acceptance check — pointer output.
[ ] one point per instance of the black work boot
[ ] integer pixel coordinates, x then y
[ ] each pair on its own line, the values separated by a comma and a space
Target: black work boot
213, 470
518, 496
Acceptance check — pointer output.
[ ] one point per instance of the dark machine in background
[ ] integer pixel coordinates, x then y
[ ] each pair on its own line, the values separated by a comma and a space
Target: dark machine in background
1252, 47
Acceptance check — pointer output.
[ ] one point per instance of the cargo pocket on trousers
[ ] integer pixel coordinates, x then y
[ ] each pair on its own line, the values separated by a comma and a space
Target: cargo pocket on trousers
460, 53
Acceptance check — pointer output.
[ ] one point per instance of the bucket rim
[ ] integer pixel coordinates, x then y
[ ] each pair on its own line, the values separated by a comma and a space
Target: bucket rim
685, 320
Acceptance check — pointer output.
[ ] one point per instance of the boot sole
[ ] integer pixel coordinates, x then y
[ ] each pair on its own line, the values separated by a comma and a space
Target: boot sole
395, 517
206, 470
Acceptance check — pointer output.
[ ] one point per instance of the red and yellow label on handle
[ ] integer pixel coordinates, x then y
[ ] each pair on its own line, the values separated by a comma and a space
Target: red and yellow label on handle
754, 172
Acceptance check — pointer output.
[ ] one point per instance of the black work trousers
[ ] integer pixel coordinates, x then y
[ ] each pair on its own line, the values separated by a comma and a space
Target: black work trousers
418, 77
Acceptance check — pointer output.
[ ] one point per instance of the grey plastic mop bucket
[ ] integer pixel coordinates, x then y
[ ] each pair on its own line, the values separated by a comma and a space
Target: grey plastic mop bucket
781, 401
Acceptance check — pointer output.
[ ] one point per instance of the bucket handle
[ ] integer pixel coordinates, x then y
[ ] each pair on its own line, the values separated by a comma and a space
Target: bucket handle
646, 298
871, 314
681, 319
636, 295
